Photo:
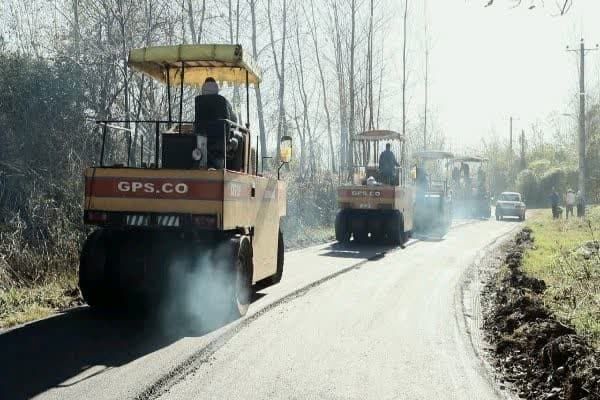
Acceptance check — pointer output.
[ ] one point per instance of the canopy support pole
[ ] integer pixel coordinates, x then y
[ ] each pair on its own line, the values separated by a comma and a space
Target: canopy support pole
169, 94
181, 95
247, 102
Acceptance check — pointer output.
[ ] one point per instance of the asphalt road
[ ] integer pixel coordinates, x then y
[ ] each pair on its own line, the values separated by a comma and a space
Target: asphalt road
344, 323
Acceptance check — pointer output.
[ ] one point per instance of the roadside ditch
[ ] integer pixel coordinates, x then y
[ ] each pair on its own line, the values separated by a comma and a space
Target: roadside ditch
534, 354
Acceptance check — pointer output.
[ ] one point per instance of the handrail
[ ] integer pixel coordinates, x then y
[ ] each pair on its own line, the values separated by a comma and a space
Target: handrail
109, 124
119, 128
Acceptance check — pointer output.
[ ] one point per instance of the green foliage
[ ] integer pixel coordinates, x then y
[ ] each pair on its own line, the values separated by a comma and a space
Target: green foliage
572, 278
552, 178
44, 146
527, 185
43, 135
539, 167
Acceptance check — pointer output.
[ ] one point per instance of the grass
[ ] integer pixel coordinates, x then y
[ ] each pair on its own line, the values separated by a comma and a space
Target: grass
23, 304
573, 281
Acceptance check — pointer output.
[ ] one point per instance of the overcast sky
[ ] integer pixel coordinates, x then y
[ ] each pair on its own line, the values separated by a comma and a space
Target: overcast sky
490, 63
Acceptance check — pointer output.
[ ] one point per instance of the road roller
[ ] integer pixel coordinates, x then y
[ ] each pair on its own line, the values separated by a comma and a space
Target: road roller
178, 203
433, 210
377, 204
470, 187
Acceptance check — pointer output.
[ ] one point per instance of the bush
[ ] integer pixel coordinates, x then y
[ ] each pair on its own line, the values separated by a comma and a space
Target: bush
311, 207
44, 147
539, 167
528, 186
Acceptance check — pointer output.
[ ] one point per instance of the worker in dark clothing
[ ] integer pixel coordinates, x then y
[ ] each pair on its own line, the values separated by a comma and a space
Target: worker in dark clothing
481, 177
456, 175
464, 168
422, 181
580, 204
212, 111
387, 165
214, 106
554, 200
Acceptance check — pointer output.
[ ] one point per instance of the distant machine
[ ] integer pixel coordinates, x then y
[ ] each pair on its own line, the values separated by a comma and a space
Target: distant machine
378, 204
433, 210
470, 187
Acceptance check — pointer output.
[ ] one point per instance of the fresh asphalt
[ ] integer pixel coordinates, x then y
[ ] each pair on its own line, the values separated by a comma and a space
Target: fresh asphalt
346, 322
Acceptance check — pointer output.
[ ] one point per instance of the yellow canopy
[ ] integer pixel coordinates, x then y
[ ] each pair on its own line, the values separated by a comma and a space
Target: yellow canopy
379, 135
434, 155
226, 63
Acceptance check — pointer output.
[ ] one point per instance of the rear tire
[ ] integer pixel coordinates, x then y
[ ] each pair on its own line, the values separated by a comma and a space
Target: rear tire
342, 233
396, 232
360, 228
275, 279
92, 271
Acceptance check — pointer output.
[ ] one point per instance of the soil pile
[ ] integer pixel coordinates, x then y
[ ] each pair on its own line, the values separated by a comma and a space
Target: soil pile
540, 356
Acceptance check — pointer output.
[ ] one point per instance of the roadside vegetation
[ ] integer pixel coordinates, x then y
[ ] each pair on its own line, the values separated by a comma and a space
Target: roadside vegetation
565, 256
536, 349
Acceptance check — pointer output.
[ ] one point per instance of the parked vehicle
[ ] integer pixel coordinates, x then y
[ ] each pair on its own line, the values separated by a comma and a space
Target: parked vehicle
510, 204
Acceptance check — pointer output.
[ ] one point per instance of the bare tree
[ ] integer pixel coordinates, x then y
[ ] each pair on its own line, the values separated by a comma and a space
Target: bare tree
279, 68
299, 69
196, 35
340, 69
259, 103
352, 120
315, 35
563, 6
370, 69
404, 40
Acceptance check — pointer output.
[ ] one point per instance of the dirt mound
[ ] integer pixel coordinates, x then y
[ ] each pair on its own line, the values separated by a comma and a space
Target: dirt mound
540, 356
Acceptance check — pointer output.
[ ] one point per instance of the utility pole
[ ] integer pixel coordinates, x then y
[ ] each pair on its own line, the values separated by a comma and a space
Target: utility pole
582, 137
426, 77
523, 163
510, 140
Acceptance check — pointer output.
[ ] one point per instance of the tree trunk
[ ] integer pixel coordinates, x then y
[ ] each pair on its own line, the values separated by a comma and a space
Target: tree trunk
323, 87
370, 69
404, 20
281, 124
352, 84
342, 94
259, 105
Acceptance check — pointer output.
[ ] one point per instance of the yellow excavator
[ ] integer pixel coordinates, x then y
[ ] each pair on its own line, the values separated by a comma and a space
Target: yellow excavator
193, 207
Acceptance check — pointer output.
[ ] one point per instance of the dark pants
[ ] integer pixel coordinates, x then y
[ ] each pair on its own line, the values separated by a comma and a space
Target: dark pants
387, 177
569, 210
580, 210
555, 212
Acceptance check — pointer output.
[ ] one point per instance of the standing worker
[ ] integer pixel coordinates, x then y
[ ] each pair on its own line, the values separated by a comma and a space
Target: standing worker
554, 199
580, 204
387, 165
570, 202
